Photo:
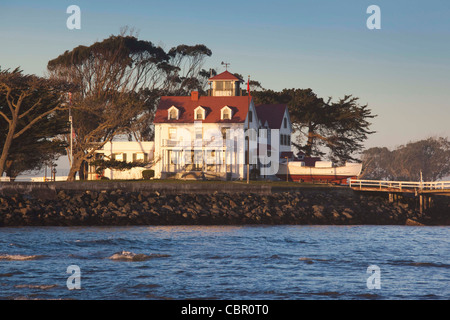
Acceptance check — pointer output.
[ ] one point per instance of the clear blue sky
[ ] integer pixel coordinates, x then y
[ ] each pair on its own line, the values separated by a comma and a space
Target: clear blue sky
402, 71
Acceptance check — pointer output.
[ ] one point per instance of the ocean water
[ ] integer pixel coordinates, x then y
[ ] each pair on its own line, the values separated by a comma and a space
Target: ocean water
225, 262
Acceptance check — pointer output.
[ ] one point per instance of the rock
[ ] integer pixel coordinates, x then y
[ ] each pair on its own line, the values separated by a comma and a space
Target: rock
317, 211
149, 207
346, 214
335, 214
411, 222
121, 201
112, 205
318, 214
102, 197
318, 208
83, 212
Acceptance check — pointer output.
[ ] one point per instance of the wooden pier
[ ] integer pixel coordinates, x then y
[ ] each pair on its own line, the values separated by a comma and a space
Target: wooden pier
423, 190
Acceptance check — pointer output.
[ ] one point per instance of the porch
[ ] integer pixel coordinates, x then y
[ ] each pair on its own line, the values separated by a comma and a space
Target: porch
201, 164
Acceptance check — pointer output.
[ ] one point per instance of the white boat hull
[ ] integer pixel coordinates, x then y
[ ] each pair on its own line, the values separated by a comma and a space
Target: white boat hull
295, 171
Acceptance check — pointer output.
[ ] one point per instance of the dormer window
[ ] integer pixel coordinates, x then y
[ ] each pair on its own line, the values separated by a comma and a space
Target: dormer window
225, 113
173, 113
199, 113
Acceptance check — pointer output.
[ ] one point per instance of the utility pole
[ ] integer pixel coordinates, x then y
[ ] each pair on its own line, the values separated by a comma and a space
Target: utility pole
71, 130
248, 160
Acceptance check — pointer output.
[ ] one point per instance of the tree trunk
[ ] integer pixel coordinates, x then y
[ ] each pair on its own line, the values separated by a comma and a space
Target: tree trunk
310, 141
6, 146
76, 163
10, 173
72, 173
82, 172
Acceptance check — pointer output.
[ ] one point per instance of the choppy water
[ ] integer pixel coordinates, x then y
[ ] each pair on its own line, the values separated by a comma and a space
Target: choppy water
225, 262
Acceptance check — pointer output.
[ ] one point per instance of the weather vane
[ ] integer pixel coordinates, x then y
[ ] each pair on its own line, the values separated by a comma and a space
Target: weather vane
226, 64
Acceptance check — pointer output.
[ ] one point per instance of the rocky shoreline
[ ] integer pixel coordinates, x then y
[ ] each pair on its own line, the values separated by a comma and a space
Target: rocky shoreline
120, 207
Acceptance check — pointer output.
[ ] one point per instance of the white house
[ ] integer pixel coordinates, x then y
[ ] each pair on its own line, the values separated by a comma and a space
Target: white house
219, 136
128, 151
216, 136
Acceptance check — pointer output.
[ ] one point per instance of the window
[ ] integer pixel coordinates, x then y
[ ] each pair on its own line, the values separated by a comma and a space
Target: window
173, 113
224, 85
198, 133
224, 132
250, 116
285, 122
285, 140
140, 156
199, 113
225, 113
172, 133
119, 157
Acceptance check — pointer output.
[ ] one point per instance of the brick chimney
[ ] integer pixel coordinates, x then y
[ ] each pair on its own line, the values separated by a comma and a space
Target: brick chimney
194, 95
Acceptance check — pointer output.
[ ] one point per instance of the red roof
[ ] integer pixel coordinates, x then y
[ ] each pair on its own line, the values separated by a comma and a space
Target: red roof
272, 113
213, 105
226, 75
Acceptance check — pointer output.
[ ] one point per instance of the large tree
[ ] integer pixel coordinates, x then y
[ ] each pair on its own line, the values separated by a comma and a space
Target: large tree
110, 77
338, 127
40, 146
182, 73
429, 157
187, 72
118, 83
30, 121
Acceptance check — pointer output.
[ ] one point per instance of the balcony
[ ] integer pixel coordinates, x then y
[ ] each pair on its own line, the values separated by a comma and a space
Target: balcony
187, 144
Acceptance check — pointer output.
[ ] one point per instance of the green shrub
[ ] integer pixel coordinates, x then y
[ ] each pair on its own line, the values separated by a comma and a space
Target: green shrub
147, 174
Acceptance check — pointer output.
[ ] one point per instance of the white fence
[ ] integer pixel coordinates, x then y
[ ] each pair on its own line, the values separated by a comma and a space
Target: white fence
400, 185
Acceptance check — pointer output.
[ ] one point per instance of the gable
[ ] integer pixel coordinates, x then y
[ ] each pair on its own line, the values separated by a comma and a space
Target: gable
226, 75
272, 114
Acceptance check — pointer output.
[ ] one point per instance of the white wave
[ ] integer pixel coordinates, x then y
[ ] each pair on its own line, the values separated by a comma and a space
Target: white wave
130, 256
19, 257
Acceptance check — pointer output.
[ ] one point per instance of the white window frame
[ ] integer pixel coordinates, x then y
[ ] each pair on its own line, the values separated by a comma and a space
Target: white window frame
169, 111
222, 112
172, 133
203, 111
